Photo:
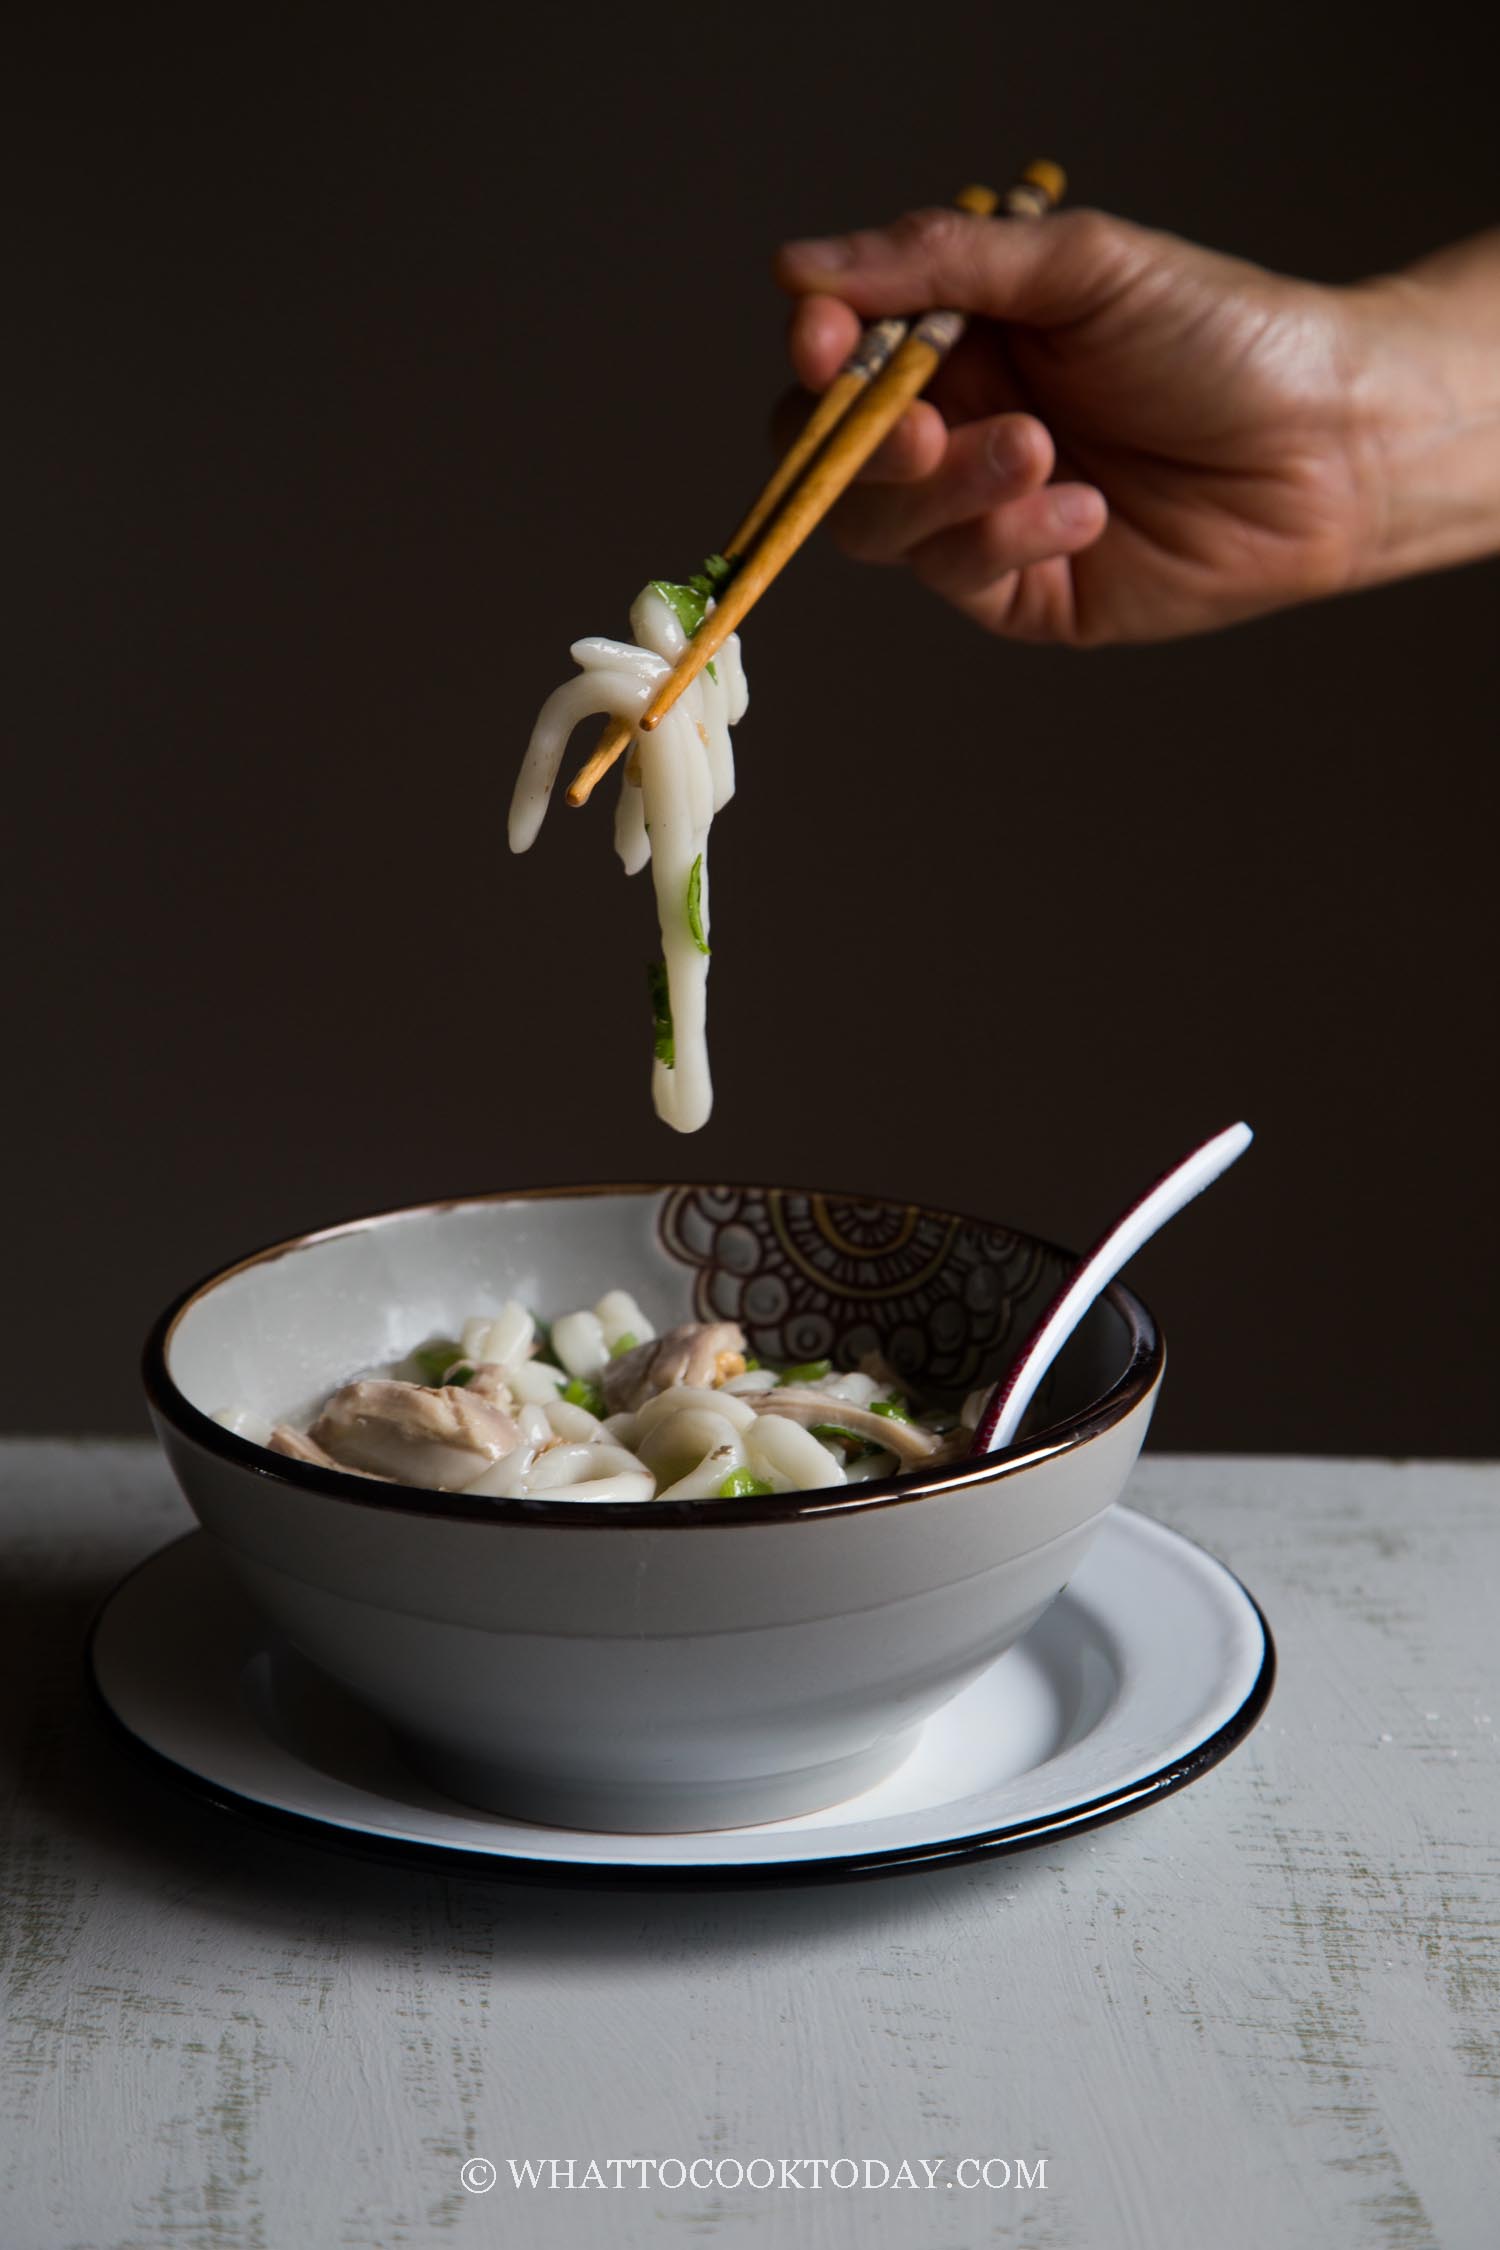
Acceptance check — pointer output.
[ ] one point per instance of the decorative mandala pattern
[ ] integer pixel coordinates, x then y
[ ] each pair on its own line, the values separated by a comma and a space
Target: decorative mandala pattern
820, 1277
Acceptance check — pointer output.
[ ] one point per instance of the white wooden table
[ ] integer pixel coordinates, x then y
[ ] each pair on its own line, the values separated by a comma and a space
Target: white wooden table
1266, 2011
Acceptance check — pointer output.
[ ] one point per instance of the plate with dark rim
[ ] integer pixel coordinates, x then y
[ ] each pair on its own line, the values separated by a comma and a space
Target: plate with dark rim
1149, 1668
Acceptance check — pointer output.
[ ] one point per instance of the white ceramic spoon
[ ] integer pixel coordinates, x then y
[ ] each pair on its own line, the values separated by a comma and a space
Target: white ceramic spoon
1013, 1394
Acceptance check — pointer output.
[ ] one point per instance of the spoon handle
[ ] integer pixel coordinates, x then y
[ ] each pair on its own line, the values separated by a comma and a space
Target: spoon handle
1002, 1417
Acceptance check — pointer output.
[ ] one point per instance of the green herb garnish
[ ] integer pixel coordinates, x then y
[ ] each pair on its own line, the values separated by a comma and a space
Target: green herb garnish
695, 905
581, 1392
807, 1371
712, 670
744, 1484
714, 576
894, 1409
855, 1447
687, 605
624, 1344
434, 1361
665, 1044
688, 599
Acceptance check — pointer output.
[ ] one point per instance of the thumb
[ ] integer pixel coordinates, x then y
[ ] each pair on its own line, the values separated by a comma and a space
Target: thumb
1043, 271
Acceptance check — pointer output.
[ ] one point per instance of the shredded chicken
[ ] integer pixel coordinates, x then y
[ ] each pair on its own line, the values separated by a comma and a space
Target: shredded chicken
489, 1381
907, 1440
298, 1446
443, 1438
690, 1354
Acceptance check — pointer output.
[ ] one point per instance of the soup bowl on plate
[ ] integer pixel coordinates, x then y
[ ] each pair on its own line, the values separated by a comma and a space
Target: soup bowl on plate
655, 1665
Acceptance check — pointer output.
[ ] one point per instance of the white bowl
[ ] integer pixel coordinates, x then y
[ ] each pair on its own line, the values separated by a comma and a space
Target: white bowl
655, 1665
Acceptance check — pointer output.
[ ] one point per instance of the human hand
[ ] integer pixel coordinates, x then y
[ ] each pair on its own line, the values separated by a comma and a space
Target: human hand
1135, 439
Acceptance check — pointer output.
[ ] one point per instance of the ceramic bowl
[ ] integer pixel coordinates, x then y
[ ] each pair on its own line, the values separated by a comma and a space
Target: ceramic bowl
649, 1665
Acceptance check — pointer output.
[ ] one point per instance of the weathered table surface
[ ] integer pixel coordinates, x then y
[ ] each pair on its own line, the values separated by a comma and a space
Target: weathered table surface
1265, 2011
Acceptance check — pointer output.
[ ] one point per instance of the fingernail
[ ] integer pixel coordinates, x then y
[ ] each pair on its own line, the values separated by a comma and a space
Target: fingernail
1074, 509
1006, 451
825, 254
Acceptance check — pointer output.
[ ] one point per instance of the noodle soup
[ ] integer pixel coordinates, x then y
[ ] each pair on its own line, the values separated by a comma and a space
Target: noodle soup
599, 1407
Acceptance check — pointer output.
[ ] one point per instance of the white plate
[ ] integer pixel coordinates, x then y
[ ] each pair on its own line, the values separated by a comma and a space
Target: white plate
1145, 1672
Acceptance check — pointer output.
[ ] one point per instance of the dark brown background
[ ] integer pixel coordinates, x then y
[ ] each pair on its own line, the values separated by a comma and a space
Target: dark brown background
366, 361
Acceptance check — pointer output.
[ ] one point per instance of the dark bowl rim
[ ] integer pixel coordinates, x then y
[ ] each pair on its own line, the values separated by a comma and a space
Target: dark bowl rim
170, 1406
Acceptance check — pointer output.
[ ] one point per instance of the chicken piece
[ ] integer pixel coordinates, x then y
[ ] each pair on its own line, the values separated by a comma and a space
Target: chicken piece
906, 1440
491, 1382
954, 1445
690, 1354
443, 1438
298, 1446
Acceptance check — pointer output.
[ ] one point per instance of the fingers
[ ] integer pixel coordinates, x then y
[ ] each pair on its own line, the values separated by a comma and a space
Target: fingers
821, 334
971, 563
981, 467
1044, 272
913, 448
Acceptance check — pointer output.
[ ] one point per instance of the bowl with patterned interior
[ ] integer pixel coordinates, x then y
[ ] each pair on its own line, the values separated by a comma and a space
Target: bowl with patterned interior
686, 1660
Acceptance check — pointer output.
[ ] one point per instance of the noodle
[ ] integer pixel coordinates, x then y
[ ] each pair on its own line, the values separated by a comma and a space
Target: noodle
602, 1408
672, 783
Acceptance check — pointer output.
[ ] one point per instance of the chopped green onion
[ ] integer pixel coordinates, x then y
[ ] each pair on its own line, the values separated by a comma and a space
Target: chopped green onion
665, 1044
687, 605
712, 670
695, 905
807, 1371
688, 599
894, 1409
434, 1361
855, 1447
752, 1366
744, 1484
581, 1392
624, 1344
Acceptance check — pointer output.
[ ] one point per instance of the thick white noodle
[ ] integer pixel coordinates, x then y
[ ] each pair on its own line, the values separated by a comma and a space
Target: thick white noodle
567, 1465
578, 1343
790, 1458
681, 1443
510, 1336
620, 1317
685, 771
681, 1398
575, 1423
535, 1382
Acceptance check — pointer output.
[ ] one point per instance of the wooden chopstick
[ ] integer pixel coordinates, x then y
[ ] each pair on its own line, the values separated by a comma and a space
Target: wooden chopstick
1038, 189
866, 360
889, 366
868, 357
867, 422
